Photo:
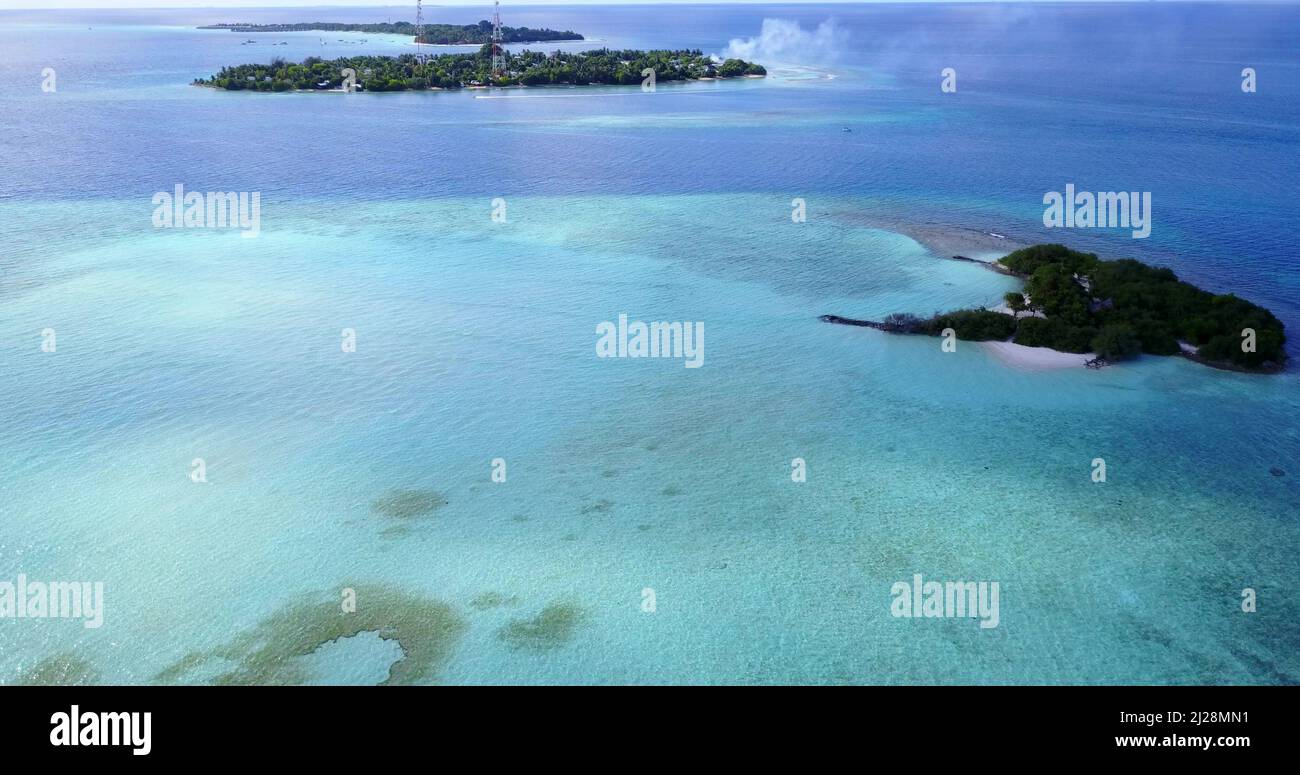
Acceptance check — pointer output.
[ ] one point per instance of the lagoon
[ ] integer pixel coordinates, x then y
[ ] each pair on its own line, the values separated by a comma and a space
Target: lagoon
474, 342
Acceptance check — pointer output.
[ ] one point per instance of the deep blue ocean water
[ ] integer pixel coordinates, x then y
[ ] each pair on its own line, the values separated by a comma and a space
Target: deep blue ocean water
476, 341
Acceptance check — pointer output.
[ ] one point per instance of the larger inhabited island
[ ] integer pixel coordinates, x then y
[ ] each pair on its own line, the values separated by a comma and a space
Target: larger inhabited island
451, 71
1078, 303
435, 34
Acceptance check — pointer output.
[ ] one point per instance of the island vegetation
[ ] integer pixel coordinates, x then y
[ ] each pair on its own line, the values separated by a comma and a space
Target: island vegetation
1078, 303
450, 71
435, 34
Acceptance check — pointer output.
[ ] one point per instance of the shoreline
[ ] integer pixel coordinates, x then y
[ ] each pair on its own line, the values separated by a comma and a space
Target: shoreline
957, 240
409, 72
1016, 355
474, 86
1035, 358
992, 266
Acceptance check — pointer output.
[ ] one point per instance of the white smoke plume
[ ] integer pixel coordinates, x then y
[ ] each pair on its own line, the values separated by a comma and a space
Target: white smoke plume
780, 40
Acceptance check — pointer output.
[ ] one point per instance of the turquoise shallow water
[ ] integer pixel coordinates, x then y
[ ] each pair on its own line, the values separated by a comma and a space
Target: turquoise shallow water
627, 474
476, 340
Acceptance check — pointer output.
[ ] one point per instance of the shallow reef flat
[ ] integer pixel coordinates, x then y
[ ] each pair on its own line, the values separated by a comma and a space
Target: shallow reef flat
427, 631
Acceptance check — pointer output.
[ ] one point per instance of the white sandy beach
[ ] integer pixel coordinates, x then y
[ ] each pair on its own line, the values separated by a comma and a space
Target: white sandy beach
953, 240
1035, 358
1005, 310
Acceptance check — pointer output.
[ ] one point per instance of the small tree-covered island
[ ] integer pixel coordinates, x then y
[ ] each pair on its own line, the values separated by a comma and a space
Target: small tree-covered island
1077, 303
452, 71
434, 34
